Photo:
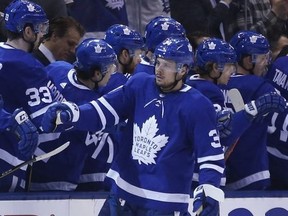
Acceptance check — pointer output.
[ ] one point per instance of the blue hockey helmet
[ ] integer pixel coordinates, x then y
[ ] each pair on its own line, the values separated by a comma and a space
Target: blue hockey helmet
123, 37
249, 43
21, 12
176, 49
216, 51
93, 53
160, 28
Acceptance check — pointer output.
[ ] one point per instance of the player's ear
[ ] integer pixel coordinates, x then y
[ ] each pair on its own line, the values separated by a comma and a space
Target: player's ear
215, 67
184, 70
97, 75
124, 56
28, 33
247, 61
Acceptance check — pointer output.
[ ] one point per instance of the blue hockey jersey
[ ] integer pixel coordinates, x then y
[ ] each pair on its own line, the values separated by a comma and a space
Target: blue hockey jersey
23, 83
100, 14
164, 136
277, 147
277, 75
145, 67
214, 94
247, 166
65, 170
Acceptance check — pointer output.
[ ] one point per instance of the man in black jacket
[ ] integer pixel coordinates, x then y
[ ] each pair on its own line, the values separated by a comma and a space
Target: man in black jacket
59, 44
207, 16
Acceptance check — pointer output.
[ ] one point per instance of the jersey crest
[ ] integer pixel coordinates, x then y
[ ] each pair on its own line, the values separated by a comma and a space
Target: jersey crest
113, 4
146, 143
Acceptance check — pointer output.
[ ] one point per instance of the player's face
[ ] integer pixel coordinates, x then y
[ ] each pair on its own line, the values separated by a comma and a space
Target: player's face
228, 70
166, 73
64, 47
261, 63
136, 58
107, 74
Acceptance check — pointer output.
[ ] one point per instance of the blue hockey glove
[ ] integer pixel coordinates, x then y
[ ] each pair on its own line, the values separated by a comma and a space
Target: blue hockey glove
206, 200
25, 130
60, 117
262, 106
224, 125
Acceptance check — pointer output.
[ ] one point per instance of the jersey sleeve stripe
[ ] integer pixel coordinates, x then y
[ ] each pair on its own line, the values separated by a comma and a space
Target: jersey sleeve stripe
212, 166
100, 112
210, 158
110, 108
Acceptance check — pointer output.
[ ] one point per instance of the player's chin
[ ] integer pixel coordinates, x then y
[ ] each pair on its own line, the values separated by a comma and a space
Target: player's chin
159, 82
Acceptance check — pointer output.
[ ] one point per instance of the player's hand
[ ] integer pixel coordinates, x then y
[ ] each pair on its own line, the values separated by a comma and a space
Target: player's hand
206, 200
26, 131
60, 117
224, 125
262, 106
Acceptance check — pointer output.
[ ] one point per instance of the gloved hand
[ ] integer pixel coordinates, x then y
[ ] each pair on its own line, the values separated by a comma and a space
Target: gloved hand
206, 200
265, 104
25, 130
60, 117
224, 126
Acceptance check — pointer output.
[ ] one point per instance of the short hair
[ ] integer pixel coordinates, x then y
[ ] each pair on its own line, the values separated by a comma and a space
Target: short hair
60, 25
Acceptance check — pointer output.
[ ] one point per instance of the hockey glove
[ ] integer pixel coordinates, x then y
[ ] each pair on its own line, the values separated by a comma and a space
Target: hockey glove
206, 200
224, 125
25, 130
60, 117
262, 106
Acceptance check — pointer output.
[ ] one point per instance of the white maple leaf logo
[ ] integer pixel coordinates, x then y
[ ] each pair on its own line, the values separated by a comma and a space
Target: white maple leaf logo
253, 39
146, 143
211, 45
30, 7
98, 49
164, 26
115, 4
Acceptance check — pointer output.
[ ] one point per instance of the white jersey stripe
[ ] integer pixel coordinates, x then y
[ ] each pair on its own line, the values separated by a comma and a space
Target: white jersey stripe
212, 166
92, 177
110, 108
211, 158
100, 112
147, 194
249, 180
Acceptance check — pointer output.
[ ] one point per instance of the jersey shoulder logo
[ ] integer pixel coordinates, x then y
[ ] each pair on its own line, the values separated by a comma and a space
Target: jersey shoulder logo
115, 4
146, 143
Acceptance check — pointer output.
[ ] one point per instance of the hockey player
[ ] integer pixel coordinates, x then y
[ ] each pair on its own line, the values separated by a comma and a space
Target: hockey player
128, 45
247, 166
23, 81
156, 31
92, 70
152, 171
215, 63
278, 128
